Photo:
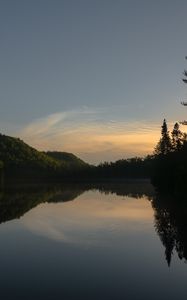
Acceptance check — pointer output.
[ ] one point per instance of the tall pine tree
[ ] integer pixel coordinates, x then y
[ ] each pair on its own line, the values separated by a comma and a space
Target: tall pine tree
177, 138
164, 145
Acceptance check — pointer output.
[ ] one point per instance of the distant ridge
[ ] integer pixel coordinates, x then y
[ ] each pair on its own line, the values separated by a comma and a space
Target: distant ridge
13, 151
20, 158
66, 157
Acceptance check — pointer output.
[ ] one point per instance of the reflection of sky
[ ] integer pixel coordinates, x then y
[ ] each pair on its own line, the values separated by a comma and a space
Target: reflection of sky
95, 247
92, 218
122, 57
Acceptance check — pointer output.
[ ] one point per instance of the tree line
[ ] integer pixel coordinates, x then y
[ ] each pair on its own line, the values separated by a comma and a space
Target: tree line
170, 160
173, 143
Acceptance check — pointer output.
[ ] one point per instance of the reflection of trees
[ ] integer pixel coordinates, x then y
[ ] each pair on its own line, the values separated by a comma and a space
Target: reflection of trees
170, 214
171, 225
136, 189
15, 202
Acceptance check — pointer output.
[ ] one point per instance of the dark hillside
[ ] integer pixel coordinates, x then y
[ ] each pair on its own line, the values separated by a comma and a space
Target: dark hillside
20, 160
14, 152
67, 158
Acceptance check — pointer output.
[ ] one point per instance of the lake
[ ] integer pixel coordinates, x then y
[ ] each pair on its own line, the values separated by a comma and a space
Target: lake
103, 241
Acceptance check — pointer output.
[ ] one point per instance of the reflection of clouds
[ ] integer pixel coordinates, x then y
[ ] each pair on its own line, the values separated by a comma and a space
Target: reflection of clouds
45, 228
90, 133
84, 220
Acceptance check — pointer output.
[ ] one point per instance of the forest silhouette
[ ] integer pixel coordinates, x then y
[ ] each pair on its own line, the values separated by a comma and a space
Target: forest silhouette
166, 167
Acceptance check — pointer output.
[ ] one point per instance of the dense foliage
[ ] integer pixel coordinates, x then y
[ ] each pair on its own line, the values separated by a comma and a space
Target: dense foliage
126, 168
68, 159
167, 167
170, 163
19, 159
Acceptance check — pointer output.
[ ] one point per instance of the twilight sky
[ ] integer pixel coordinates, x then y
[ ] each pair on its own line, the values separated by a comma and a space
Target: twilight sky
92, 77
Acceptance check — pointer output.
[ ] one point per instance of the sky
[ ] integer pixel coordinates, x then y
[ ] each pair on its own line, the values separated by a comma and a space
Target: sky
92, 77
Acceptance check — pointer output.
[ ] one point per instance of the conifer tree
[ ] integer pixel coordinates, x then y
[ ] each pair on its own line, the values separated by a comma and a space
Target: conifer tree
164, 145
177, 138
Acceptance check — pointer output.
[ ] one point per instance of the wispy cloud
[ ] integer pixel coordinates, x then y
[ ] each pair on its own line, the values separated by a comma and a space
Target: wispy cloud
93, 134
51, 123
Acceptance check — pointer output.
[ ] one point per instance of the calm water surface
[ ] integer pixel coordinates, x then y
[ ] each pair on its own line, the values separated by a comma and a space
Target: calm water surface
117, 241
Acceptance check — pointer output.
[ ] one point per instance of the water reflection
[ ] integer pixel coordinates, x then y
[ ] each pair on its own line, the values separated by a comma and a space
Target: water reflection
171, 225
15, 201
91, 242
170, 215
91, 220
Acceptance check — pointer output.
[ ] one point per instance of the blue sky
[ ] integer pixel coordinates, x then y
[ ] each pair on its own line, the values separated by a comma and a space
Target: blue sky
92, 77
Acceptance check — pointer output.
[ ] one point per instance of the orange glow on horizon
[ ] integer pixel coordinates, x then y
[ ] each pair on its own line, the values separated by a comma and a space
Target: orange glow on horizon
93, 141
